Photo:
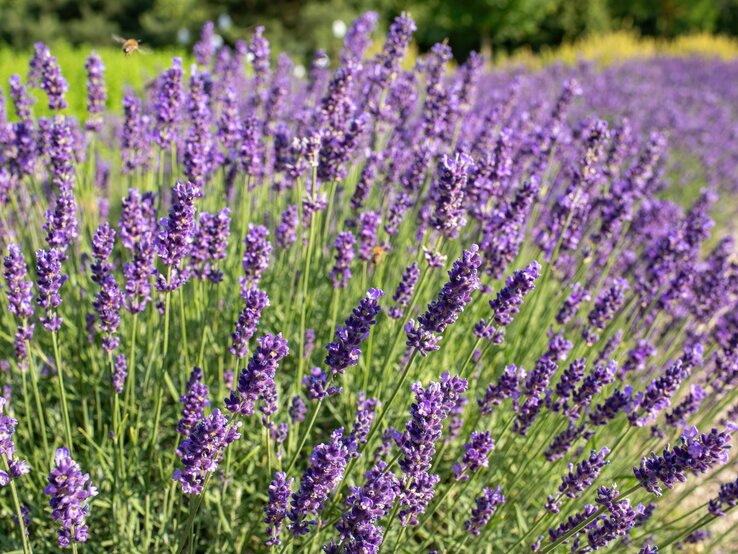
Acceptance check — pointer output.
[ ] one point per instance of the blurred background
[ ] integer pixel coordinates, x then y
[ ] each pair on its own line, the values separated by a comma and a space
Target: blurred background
497, 27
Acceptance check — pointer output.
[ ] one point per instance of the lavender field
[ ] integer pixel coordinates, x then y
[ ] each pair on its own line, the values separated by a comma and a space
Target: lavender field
372, 310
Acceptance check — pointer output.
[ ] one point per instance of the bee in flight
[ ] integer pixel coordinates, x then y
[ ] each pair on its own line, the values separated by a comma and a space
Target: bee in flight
129, 45
378, 254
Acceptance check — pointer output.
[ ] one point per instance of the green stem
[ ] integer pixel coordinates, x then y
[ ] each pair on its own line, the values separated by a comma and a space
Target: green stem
62, 393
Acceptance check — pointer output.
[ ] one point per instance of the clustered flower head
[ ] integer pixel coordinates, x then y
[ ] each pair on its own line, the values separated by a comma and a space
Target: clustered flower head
70, 491
445, 310
16, 468
202, 451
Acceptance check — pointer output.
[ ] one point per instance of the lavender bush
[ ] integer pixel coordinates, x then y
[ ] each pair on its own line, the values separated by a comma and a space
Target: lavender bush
372, 309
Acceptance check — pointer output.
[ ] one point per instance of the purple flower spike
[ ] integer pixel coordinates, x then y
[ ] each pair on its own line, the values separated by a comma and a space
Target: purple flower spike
17, 289
17, 468
449, 194
657, 396
697, 453
202, 451
581, 476
358, 527
276, 510
256, 381
341, 271
368, 222
286, 231
476, 455
46, 67
50, 280
344, 351
508, 386
194, 402
169, 104
324, 471
571, 305
120, 372
404, 291
451, 300
256, 255
70, 493
507, 303
486, 505
298, 410
605, 307
727, 498
96, 92
248, 319
198, 144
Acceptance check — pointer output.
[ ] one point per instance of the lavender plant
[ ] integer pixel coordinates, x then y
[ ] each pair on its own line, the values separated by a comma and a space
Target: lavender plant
553, 366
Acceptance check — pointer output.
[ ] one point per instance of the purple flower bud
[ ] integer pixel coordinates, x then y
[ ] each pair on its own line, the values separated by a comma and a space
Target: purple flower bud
134, 138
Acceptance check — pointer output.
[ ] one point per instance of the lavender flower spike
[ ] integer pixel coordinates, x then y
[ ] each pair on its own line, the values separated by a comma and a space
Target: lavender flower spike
507, 303
404, 291
476, 455
324, 471
256, 300
194, 402
96, 93
256, 381
581, 476
50, 280
486, 505
341, 272
445, 310
69, 491
17, 468
344, 351
276, 510
449, 194
202, 451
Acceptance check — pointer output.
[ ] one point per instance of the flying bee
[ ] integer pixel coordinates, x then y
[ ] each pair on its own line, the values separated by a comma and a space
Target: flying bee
378, 254
129, 45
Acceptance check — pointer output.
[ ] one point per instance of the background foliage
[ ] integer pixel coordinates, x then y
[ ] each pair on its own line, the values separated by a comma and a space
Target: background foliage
300, 26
